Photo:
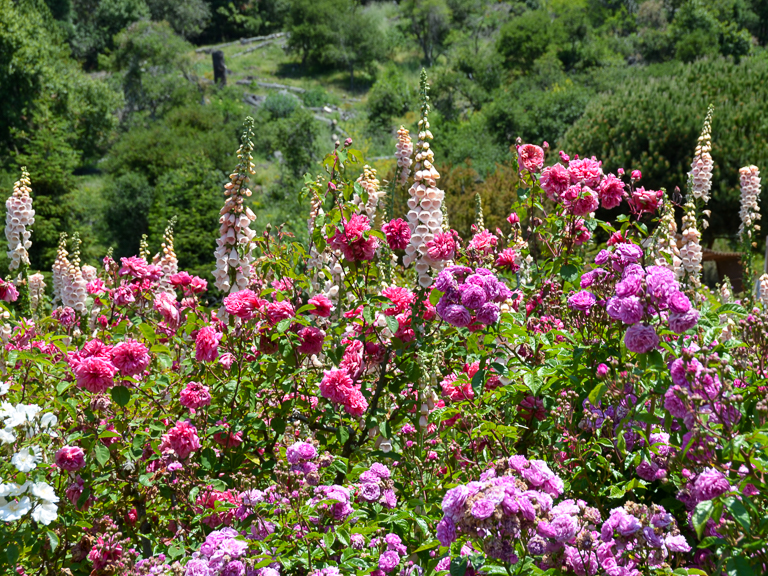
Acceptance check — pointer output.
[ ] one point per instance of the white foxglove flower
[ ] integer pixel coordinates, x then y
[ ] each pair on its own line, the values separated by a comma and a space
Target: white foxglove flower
14, 509
26, 459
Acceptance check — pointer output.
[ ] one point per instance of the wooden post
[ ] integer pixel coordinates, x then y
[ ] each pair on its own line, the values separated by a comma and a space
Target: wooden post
219, 68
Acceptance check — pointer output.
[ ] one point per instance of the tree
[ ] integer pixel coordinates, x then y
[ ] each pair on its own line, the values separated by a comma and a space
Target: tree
358, 42
524, 39
188, 18
429, 22
313, 28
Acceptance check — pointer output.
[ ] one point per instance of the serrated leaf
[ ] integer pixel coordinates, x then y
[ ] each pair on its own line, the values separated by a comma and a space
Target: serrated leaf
701, 514
102, 453
283, 325
121, 395
435, 296
368, 314
53, 540
739, 512
569, 273
392, 324
328, 539
175, 550
533, 382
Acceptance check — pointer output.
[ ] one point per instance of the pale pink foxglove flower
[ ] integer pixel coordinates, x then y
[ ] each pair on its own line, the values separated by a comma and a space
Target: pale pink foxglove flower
19, 216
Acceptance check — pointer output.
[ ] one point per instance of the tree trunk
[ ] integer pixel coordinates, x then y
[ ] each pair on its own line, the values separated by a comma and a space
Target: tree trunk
219, 68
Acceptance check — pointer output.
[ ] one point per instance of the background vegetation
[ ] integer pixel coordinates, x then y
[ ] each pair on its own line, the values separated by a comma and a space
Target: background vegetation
112, 106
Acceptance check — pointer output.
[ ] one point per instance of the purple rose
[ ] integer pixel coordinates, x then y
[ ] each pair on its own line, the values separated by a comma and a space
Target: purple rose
390, 500
457, 315
388, 561
678, 302
564, 528
710, 484
454, 500
489, 313
660, 284
483, 509
629, 286
472, 296
446, 531
677, 543
370, 492
602, 257
234, 568
629, 310
380, 470
626, 253
589, 278
673, 403
582, 301
198, 567
641, 339
680, 323
647, 470
445, 282
537, 473
518, 462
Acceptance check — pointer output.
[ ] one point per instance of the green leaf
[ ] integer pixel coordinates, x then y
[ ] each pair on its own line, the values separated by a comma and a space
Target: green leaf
144, 480
368, 314
343, 434
148, 332
53, 540
121, 395
428, 546
392, 324
533, 382
739, 512
701, 514
12, 553
207, 458
738, 566
597, 393
328, 539
175, 550
102, 453
283, 325
435, 296
458, 566
569, 273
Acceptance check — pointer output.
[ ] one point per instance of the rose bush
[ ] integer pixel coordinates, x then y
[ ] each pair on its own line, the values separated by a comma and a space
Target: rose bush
503, 404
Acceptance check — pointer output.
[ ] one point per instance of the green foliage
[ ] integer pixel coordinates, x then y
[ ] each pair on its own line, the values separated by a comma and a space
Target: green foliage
652, 123
188, 18
96, 22
280, 104
154, 65
524, 39
317, 96
428, 21
390, 97
128, 200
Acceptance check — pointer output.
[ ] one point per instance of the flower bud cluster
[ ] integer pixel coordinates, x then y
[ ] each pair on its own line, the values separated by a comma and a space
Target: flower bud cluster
665, 251
19, 216
690, 251
371, 185
36, 290
425, 216
233, 247
749, 179
701, 168
167, 260
403, 152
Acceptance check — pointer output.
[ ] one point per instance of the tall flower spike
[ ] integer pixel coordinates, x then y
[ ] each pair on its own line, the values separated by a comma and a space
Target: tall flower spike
750, 196
143, 247
479, 220
690, 252
60, 267
701, 168
233, 247
371, 185
36, 290
403, 152
425, 216
18, 217
73, 290
166, 259
665, 251
762, 286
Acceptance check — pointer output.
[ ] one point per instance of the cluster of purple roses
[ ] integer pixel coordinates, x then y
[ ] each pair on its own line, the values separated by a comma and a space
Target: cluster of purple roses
513, 504
375, 485
470, 296
224, 554
641, 295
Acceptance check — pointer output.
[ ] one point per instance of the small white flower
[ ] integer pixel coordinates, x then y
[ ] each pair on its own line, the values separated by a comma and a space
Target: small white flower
14, 509
7, 436
44, 491
12, 489
4, 387
26, 459
45, 513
